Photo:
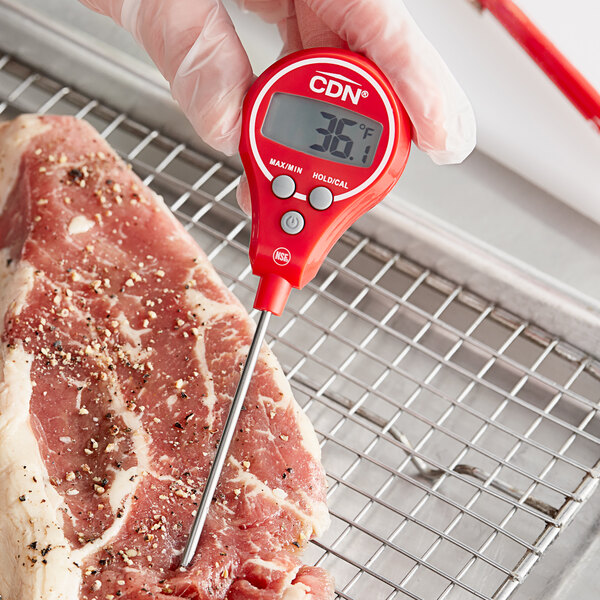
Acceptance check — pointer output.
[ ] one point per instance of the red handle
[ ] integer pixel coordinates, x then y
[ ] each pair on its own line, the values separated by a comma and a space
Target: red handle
567, 78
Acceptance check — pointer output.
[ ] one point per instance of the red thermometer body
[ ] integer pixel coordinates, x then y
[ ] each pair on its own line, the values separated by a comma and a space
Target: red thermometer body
324, 139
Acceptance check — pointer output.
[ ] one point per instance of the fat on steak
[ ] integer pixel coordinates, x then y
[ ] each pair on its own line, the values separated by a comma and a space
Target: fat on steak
120, 353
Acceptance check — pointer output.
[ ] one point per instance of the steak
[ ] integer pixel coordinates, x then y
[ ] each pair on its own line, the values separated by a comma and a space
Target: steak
120, 354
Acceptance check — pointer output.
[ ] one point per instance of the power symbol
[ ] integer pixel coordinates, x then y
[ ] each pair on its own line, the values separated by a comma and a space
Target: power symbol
292, 222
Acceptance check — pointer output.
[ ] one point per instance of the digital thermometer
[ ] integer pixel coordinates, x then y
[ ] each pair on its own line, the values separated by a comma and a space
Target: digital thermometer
324, 139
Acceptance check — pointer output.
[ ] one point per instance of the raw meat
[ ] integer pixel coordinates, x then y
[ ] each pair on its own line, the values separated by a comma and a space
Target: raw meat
120, 352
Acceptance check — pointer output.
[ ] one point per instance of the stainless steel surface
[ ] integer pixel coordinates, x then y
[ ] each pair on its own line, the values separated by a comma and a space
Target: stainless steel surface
497, 275
459, 439
228, 431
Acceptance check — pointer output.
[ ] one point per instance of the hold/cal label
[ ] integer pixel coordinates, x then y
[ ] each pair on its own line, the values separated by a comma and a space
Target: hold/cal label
282, 256
330, 180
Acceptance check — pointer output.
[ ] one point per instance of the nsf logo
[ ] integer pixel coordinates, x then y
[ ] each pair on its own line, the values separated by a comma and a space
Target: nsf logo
282, 256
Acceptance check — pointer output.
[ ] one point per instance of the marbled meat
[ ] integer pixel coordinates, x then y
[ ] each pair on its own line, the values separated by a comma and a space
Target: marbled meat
120, 353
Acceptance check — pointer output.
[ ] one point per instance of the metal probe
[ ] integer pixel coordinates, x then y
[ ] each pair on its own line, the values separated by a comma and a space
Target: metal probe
228, 432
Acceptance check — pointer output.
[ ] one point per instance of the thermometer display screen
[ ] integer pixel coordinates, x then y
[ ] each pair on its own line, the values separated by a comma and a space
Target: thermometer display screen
322, 129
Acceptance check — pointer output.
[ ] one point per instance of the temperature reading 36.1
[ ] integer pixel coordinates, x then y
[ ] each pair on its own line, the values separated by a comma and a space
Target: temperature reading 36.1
322, 129
338, 143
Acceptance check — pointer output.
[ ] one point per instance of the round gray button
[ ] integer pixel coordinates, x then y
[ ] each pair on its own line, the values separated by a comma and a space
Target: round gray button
292, 222
283, 186
320, 198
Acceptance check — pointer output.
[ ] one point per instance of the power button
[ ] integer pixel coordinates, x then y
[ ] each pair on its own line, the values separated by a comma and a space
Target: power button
292, 222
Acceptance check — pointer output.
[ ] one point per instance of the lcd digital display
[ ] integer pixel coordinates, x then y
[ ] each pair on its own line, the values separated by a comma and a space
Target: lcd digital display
322, 129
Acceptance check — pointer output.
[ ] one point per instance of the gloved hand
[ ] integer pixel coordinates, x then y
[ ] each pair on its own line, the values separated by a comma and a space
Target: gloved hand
194, 44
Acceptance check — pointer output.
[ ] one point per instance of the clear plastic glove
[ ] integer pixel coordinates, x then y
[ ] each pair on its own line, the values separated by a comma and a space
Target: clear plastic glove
196, 48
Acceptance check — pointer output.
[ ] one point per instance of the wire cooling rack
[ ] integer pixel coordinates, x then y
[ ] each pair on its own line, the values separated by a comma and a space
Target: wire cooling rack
458, 439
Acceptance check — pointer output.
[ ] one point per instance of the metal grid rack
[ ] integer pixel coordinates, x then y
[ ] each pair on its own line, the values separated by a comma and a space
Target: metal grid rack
458, 439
